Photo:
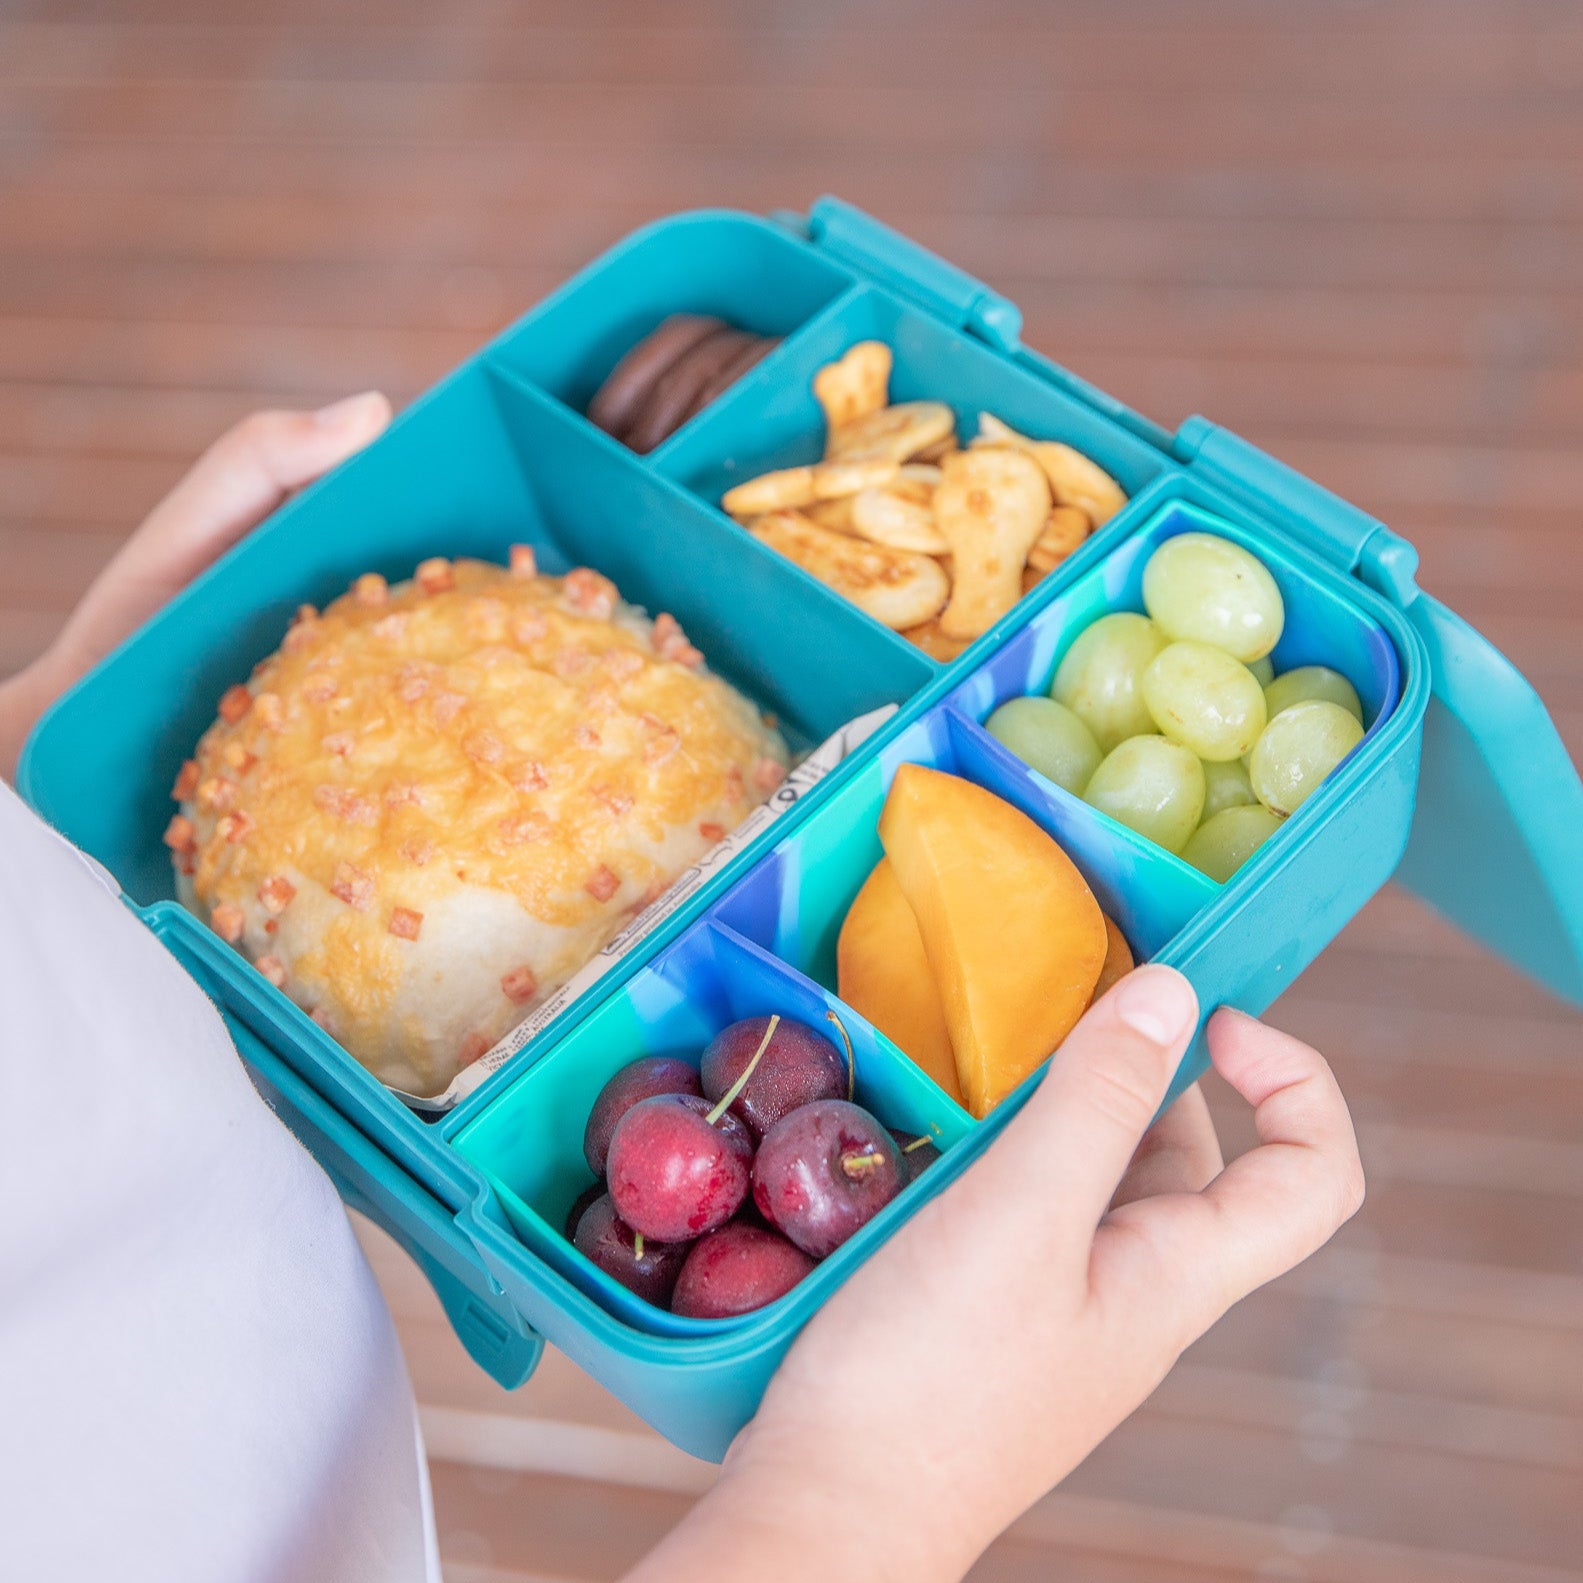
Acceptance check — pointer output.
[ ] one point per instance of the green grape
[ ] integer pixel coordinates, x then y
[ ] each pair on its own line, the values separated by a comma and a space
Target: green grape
1201, 697
1152, 786
1222, 844
1202, 587
1311, 681
1263, 671
1048, 736
1299, 747
1226, 786
1099, 678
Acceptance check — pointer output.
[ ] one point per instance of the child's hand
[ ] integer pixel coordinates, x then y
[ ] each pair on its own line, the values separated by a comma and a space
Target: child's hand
1017, 1319
233, 486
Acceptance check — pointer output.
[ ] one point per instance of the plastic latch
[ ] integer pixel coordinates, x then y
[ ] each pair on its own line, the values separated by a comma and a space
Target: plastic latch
923, 278
1359, 544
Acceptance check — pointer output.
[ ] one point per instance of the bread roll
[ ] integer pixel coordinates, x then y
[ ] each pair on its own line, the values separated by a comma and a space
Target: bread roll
438, 799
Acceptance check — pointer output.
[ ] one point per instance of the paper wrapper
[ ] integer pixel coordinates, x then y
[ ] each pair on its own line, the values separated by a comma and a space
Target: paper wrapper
797, 785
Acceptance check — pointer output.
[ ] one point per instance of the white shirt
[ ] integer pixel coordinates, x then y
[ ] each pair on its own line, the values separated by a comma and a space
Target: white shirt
199, 1379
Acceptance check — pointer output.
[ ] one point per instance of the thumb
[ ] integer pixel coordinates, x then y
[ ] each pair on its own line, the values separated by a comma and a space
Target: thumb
1076, 1136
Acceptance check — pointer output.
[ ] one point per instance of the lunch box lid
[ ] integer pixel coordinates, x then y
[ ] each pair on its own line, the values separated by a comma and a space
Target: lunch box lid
1497, 832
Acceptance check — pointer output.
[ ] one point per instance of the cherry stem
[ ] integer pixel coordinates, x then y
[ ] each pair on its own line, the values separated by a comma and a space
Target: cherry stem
637, 1244
728, 1098
856, 1166
851, 1065
917, 1143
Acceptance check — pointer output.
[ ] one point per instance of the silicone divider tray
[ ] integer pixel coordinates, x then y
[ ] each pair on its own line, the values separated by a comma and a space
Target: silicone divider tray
769, 943
528, 1143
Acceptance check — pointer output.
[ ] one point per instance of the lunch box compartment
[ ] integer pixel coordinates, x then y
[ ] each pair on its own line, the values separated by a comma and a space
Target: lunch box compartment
736, 267
1324, 625
516, 468
528, 1140
795, 899
771, 419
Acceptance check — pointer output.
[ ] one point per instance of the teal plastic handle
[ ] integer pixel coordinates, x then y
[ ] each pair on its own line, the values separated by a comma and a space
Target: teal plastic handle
873, 249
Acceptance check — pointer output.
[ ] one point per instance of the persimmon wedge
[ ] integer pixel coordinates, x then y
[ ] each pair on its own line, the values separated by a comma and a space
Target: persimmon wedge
883, 973
1118, 959
1010, 927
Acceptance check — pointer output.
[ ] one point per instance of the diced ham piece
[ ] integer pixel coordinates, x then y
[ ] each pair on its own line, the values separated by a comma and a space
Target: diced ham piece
473, 1046
351, 885
589, 594
269, 710
613, 798
235, 703
405, 923
320, 690
345, 804
659, 748
275, 893
186, 781
619, 663
524, 563
520, 984
524, 827
273, 969
530, 777
371, 589
340, 743
447, 706
237, 757
484, 747
711, 831
417, 851
530, 626
435, 576
585, 736
234, 828
602, 884
670, 642
216, 794
768, 773
228, 920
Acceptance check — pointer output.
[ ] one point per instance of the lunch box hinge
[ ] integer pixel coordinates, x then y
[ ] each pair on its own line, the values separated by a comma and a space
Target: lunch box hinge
1349, 538
941, 289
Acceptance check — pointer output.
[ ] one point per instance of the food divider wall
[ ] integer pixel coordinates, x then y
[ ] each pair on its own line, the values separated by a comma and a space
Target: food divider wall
499, 453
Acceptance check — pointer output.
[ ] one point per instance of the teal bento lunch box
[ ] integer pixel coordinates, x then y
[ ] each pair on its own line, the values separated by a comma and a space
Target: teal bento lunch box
1461, 786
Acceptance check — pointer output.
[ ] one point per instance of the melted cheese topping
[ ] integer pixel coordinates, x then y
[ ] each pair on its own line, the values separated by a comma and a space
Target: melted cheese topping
524, 736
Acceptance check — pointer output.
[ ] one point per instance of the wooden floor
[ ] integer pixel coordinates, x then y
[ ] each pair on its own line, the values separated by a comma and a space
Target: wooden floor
1352, 231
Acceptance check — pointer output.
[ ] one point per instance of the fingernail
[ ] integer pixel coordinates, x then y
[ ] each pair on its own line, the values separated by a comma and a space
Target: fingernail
1158, 1003
347, 408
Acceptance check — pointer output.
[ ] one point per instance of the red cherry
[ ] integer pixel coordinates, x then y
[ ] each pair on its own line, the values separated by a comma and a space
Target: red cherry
649, 1269
735, 1270
654, 1074
824, 1172
672, 1174
798, 1066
